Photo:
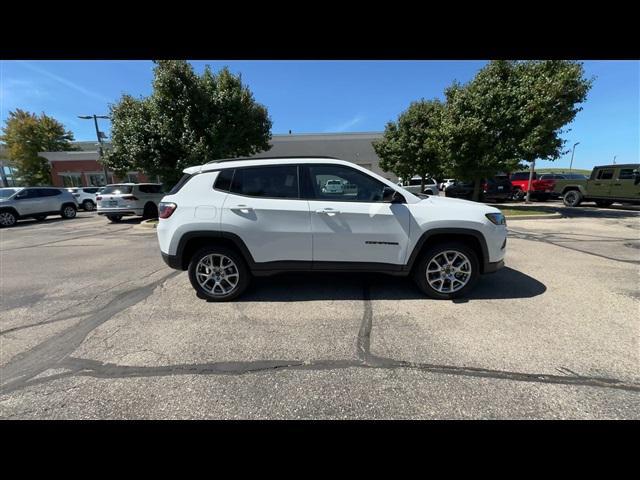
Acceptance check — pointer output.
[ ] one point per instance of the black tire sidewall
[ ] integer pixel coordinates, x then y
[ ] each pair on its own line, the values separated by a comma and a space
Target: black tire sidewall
63, 215
88, 202
576, 195
114, 218
420, 277
243, 271
15, 220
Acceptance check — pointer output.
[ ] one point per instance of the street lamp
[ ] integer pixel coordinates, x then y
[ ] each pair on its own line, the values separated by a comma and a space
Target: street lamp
572, 152
100, 136
614, 159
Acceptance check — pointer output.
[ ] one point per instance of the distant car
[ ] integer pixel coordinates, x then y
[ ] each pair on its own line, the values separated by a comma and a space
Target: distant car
497, 189
447, 182
85, 196
541, 190
35, 202
333, 186
128, 199
414, 185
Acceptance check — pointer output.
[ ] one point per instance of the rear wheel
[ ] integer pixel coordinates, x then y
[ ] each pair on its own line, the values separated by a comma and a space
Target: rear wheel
7, 219
114, 218
68, 212
150, 211
517, 194
88, 206
447, 270
572, 198
218, 274
604, 203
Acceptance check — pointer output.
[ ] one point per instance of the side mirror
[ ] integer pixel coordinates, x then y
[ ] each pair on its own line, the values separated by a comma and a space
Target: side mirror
391, 196
21, 195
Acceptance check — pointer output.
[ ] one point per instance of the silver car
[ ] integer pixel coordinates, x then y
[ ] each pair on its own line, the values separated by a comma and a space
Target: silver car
17, 203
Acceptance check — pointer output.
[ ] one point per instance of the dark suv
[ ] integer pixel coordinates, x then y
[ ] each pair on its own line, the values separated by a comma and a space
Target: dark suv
496, 189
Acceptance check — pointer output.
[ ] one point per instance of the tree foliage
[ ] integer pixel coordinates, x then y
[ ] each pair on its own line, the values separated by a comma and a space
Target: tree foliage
188, 119
412, 145
26, 135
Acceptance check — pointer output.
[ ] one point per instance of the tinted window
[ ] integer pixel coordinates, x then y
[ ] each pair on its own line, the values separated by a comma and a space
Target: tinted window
272, 181
29, 193
150, 188
352, 185
6, 192
626, 174
49, 192
90, 190
522, 176
117, 189
223, 181
605, 174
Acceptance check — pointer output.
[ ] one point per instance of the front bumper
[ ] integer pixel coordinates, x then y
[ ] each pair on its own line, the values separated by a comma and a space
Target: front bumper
493, 267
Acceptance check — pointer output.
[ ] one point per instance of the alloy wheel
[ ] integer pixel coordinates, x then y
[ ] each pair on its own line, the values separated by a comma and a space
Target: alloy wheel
7, 219
448, 271
217, 274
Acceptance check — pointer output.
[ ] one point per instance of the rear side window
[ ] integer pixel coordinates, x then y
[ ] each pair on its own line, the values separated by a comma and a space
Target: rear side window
280, 181
626, 174
522, 176
223, 181
49, 192
90, 190
150, 188
176, 188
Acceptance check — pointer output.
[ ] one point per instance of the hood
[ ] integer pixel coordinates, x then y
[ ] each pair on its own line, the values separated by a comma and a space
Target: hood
458, 204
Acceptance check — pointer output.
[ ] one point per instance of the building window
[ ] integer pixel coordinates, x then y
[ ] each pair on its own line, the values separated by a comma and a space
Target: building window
71, 179
96, 180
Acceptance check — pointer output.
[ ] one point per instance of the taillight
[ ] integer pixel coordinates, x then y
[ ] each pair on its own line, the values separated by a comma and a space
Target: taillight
166, 209
98, 197
129, 197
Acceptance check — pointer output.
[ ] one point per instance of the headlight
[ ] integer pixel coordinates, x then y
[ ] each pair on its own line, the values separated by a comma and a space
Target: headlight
496, 218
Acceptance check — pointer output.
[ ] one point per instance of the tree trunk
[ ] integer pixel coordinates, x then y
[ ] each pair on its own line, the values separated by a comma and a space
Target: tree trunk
476, 189
422, 183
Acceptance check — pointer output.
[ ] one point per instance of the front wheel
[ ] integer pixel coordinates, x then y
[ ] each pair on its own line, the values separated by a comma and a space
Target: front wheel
88, 205
572, 198
218, 274
448, 270
68, 212
7, 219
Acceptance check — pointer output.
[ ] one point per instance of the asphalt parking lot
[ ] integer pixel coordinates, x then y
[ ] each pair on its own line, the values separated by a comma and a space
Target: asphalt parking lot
94, 325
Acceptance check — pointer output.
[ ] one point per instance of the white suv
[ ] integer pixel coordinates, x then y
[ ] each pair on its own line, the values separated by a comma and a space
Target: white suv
415, 184
125, 199
85, 196
228, 220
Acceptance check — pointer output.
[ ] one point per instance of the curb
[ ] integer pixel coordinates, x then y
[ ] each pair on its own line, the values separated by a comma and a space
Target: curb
532, 217
146, 224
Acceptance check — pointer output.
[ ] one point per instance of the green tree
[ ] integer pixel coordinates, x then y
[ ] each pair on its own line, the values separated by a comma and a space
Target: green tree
26, 135
412, 145
187, 120
511, 111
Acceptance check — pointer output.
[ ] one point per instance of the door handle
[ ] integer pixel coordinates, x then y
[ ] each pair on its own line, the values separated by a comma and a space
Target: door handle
242, 208
327, 211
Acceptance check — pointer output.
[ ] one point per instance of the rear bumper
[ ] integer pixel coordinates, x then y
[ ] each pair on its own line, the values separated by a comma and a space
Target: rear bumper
172, 261
120, 211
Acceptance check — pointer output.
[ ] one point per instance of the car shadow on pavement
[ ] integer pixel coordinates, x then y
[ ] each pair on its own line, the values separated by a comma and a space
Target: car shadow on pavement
507, 283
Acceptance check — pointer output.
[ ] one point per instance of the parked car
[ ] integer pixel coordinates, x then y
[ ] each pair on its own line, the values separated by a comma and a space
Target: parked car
333, 186
17, 203
447, 182
270, 215
85, 196
606, 185
560, 179
541, 190
496, 189
127, 199
414, 185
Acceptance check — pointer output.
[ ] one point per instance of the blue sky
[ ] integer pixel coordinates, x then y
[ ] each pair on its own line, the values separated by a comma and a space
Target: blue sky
325, 96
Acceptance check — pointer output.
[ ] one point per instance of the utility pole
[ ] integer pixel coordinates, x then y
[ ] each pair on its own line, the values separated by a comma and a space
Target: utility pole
100, 136
614, 159
532, 168
572, 152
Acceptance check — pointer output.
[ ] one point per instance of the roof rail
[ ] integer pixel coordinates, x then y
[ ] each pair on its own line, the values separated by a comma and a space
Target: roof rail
269, 158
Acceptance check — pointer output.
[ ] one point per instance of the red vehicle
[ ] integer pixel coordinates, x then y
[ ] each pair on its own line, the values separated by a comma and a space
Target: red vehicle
541, 190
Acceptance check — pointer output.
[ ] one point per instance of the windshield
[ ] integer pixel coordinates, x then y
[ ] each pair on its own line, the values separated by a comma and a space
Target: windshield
117, 189
7, 192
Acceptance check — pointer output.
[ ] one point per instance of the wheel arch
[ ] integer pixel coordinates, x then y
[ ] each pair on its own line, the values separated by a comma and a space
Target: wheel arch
191, 242
472, 238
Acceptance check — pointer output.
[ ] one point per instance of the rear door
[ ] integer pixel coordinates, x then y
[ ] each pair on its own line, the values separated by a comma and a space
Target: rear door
265, 210
600, 185
354, 225
623, 184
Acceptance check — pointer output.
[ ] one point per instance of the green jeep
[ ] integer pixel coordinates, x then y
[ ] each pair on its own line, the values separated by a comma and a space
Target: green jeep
606, 185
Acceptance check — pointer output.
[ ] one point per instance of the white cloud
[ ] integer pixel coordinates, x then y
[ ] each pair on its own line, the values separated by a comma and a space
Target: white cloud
346, 125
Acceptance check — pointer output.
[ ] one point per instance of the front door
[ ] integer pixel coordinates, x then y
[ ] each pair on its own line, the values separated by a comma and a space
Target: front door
600, 185
29, 202
349, 220
624, 185
265, 210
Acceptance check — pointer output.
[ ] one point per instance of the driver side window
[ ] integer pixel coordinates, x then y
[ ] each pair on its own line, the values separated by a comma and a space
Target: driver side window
341, 183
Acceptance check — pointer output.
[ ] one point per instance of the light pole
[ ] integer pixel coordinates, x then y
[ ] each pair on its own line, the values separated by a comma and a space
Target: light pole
572, 152
100, 136
614, 159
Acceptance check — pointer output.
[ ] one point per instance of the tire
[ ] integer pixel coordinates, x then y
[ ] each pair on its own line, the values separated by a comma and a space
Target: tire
88, 206
431, 283
114, 218
150, 211
68, 212
429, 192
604, 203
7, 219
198, 269
518, 194
40, 218
572, 198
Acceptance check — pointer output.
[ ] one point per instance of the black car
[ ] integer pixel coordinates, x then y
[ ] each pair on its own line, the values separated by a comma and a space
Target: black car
496, 189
